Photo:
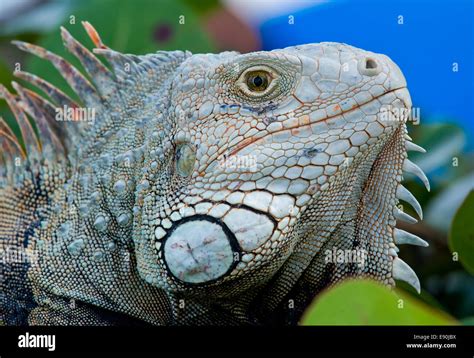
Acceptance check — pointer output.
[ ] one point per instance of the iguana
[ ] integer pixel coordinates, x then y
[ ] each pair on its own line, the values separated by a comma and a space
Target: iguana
205, 189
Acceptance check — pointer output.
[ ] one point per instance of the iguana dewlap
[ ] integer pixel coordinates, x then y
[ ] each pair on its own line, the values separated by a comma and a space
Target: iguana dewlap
202, 189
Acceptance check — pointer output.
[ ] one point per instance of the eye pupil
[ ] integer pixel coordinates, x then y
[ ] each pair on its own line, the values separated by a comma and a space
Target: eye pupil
257, 81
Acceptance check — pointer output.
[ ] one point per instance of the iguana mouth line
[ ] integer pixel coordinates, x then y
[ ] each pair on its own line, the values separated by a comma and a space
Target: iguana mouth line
248, 141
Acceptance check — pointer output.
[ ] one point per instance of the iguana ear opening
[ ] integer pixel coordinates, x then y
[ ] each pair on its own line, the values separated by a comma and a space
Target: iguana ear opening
200, 250
185, 159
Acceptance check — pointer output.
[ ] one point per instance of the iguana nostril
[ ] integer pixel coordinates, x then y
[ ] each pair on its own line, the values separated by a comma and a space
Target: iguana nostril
370, 64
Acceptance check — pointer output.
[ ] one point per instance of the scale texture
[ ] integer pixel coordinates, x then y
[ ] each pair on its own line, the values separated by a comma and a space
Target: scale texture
183, 189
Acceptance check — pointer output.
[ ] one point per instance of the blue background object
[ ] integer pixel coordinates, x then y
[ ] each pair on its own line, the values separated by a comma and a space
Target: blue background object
434, 35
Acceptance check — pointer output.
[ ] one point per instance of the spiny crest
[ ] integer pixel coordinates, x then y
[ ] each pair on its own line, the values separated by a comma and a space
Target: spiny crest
106, 95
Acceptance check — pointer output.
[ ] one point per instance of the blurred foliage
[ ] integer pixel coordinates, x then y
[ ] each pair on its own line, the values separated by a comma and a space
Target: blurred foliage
468, 321
138, 27
442, 142
363, 302
454, 289
202, 6
451, 171
461, 237
6, 75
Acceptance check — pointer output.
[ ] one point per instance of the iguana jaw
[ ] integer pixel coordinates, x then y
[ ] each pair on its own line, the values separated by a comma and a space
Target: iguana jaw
354, 217
360, 220
356, 210
349, 228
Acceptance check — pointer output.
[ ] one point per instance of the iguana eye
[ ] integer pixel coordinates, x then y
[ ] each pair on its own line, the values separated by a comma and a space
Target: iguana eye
257, 81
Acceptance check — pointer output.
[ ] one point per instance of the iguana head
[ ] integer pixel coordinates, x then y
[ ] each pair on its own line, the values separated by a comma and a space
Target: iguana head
272, 161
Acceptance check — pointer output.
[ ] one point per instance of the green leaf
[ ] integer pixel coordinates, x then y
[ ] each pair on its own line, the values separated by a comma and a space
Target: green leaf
461, 235
364, 302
